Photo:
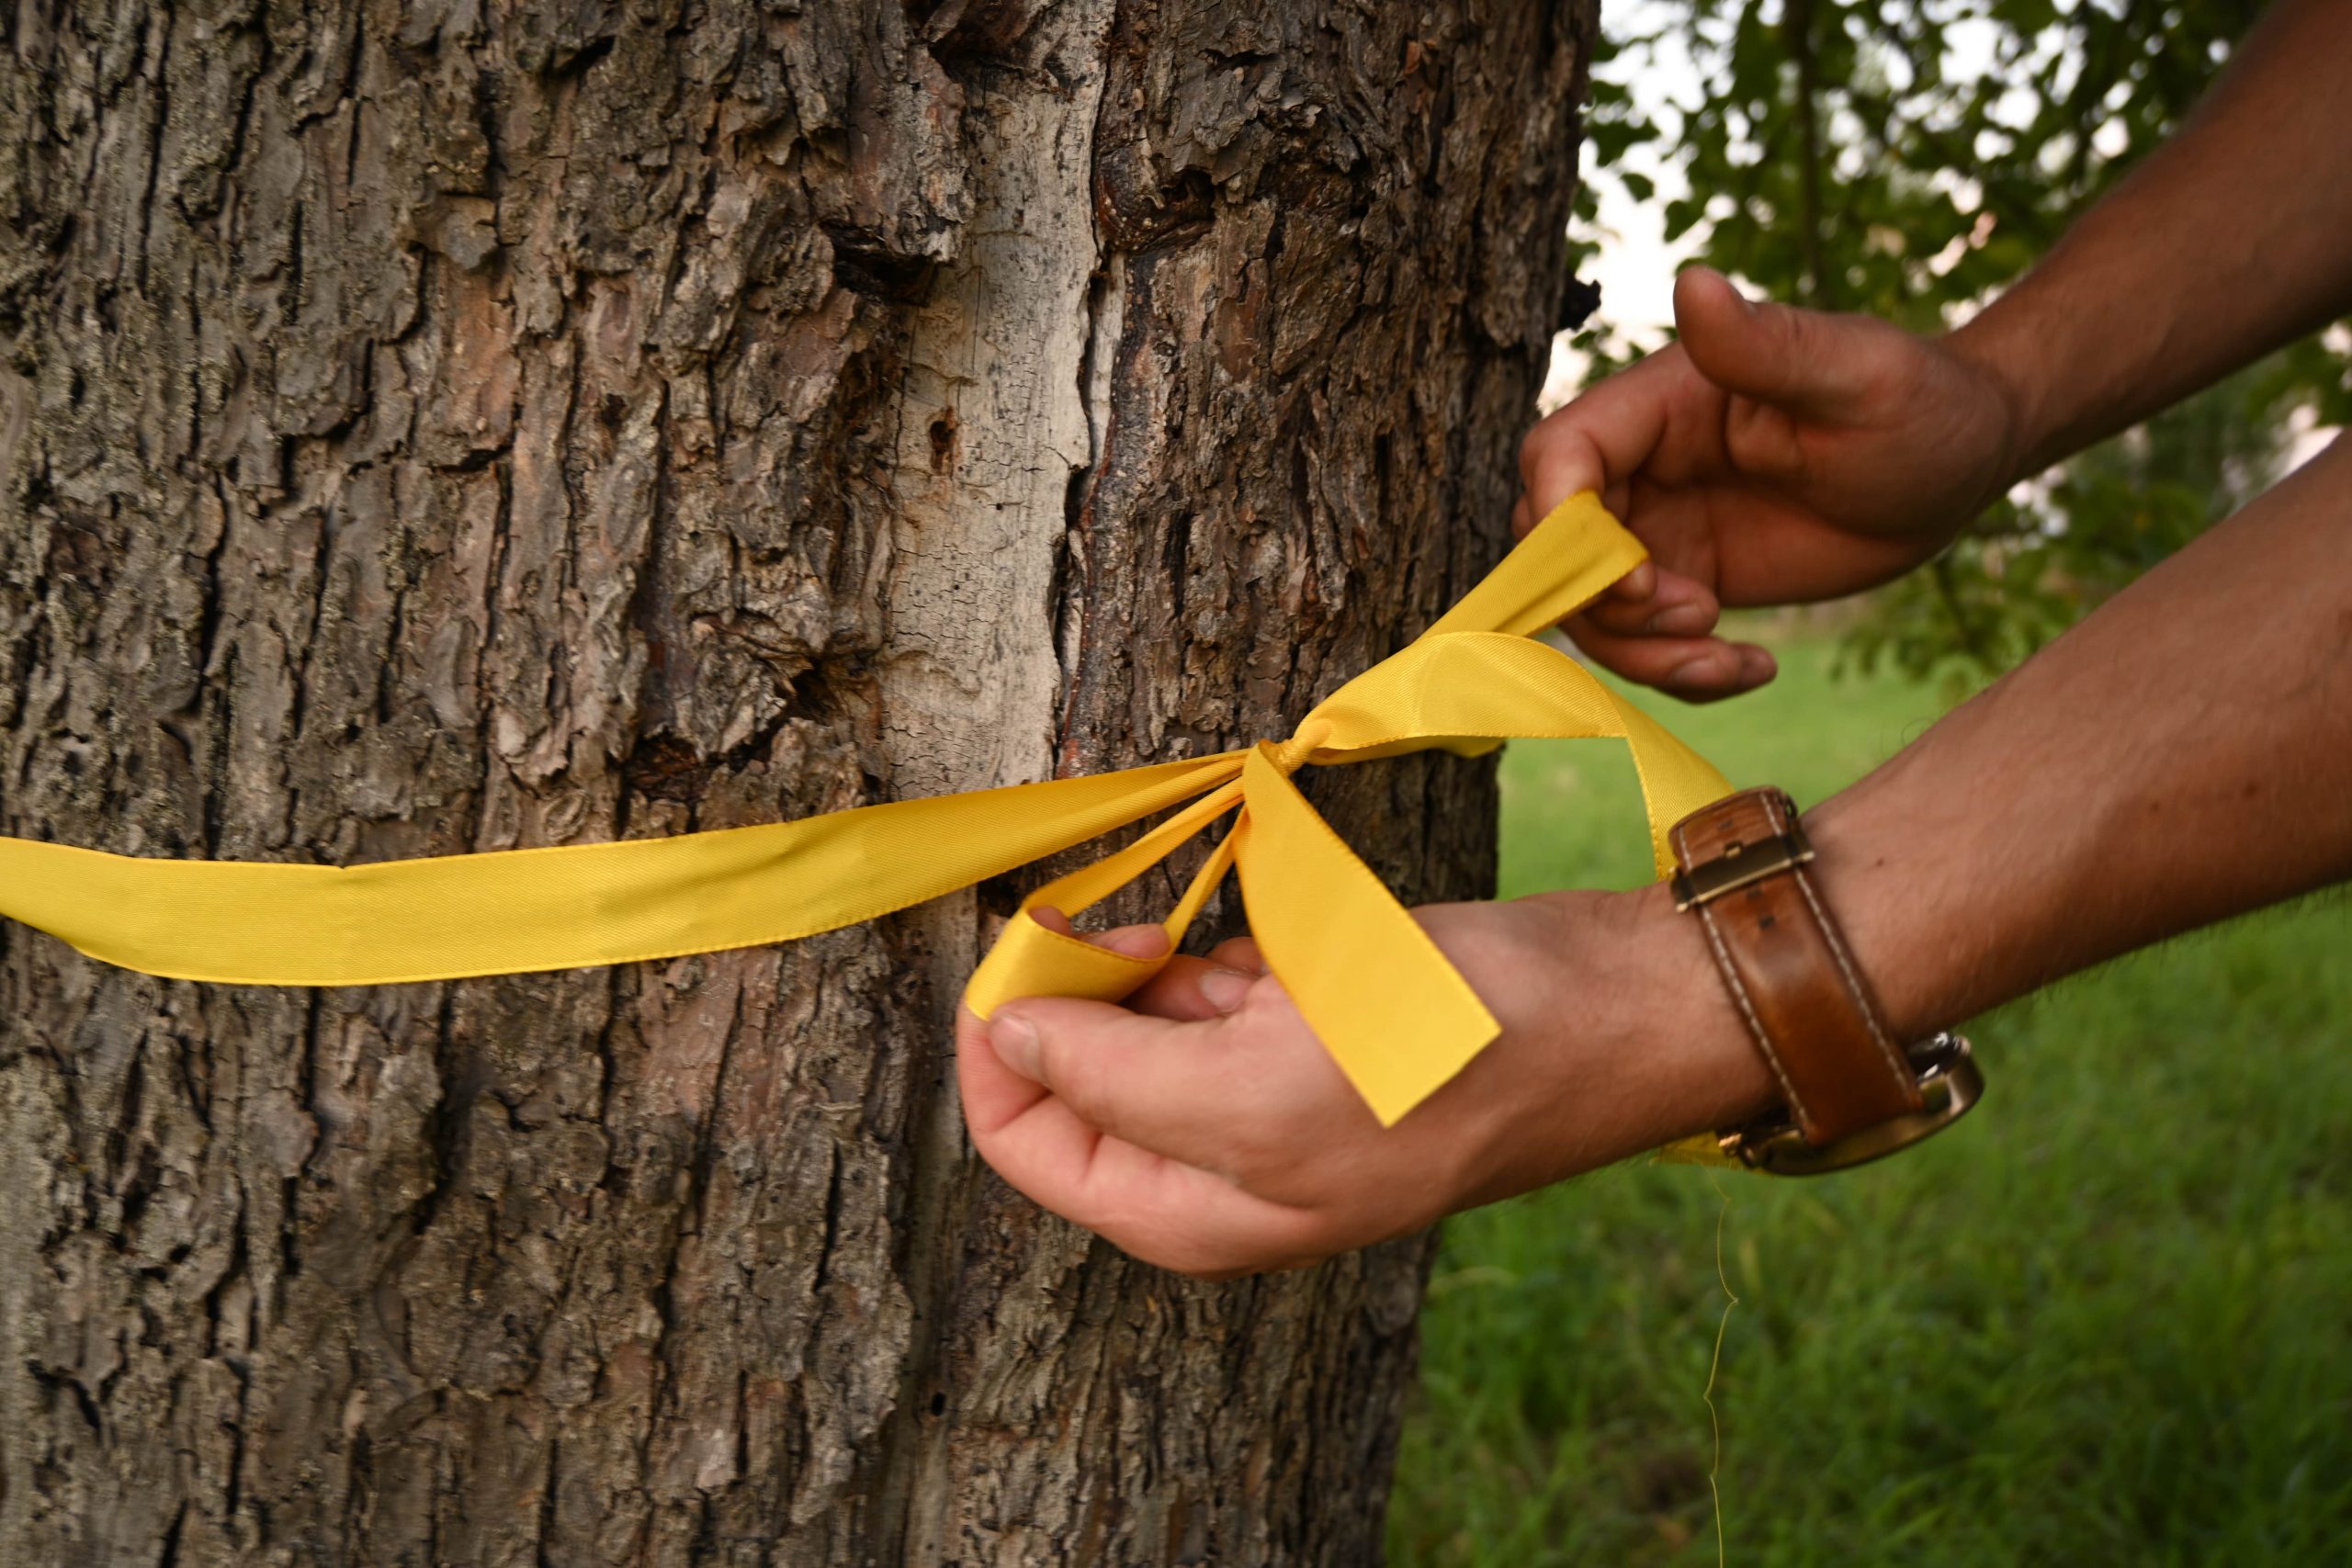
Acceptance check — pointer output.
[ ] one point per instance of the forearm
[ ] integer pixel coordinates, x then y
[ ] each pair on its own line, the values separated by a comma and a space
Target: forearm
2229, 242
2182, 756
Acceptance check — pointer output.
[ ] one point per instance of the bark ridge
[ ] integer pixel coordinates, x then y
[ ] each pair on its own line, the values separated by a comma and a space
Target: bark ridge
447, 425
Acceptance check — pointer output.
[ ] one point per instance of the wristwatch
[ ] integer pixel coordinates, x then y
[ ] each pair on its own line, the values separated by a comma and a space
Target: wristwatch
1850, 1093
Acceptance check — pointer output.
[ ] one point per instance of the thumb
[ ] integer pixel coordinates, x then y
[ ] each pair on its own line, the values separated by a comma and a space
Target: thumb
1807, 363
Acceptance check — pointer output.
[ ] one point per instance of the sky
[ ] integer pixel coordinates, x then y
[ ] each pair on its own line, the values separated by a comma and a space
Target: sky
1635, 265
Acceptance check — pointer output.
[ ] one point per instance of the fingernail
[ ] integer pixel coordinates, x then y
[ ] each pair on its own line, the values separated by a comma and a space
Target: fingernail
1696, 674
1225, 988
1136, 942
1681, 620
1015, 1039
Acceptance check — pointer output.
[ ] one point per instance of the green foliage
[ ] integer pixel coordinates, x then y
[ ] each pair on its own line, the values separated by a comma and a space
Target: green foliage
1909, 159
2101, 1321
2037, 562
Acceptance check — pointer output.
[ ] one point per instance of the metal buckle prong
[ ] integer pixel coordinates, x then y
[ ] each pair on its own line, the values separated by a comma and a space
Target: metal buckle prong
1740, 865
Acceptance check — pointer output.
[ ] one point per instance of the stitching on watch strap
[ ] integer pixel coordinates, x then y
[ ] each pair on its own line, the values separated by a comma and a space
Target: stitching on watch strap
1829, 934
1747, 1010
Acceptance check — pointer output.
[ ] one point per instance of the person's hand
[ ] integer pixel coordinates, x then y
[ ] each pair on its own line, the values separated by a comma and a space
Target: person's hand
1772, 456
1202, 1127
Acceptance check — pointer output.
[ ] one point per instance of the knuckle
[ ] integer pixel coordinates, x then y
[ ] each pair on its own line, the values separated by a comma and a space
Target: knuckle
1783, 325
1265, 1154
1530, 453
1763, 439
1074, 1079
1259, 1146
1236, 952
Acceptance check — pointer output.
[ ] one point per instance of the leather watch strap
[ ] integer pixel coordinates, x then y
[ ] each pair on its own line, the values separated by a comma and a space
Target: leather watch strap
1743, 869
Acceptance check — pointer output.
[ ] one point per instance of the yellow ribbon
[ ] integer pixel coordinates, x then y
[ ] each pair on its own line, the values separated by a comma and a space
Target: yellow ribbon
1379, 995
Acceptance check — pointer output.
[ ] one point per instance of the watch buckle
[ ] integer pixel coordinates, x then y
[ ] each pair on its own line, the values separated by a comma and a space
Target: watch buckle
1740, 865
1949, 1083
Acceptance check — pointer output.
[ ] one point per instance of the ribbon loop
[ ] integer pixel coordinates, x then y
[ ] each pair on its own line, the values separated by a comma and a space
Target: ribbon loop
1031, 959
1382, 998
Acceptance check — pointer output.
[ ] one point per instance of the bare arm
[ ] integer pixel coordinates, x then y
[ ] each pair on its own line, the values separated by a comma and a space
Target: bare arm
2183, 755
1776, 455
2231, 240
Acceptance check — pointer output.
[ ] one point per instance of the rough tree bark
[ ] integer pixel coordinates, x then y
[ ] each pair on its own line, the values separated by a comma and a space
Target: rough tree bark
442, 427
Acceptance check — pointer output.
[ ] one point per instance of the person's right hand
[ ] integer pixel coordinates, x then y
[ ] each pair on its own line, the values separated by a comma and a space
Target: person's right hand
1773, 455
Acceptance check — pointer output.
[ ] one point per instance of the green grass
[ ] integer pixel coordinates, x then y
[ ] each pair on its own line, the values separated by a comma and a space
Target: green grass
2107, 1319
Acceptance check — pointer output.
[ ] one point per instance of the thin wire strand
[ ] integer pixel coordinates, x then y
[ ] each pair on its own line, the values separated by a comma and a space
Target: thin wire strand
1714, 1416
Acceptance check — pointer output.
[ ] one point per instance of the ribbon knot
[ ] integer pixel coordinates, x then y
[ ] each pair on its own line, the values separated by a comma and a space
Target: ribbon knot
1289, 756
1384, 1000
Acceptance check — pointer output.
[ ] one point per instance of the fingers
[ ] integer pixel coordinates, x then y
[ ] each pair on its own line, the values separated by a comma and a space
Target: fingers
1637, 586
1150, 941
1168, 1083
1163, 1210
1194, 988
1809, 364
1598, 441
1123, 1124
1188, 989
1203, 987
1238, 953
994, 1095
1123, 1119
1675, 605
1136, 942
1696, 668
1559, 460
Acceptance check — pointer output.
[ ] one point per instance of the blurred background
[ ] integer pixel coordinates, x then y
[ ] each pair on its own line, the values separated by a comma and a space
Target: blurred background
1907, 159
2109, 1318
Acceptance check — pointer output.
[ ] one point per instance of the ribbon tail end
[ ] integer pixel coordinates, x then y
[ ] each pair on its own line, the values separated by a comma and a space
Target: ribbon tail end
1396, 1087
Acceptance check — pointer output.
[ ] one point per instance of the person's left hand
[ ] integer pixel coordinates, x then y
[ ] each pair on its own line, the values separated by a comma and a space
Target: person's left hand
1202, 1127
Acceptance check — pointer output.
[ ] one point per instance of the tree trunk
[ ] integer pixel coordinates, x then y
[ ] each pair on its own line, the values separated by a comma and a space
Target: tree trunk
434, 427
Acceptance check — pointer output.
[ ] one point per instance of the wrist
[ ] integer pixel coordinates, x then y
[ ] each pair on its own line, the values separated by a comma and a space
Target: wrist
1850, 1090
1902, 918
1999, 346
1619, 1039
1680, 1059
1717, 1077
